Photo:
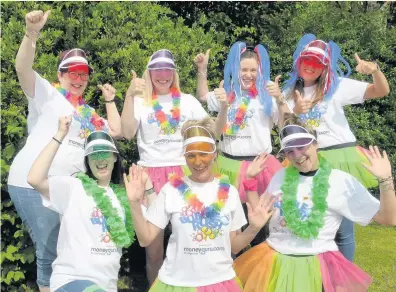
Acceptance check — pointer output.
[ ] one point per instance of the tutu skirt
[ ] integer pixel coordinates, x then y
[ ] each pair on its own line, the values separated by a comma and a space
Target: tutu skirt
233, 285
349, 159
261, 268
159, 175
236, 171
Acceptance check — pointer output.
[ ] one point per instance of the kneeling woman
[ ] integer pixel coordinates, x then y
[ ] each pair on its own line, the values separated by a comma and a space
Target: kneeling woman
206, 216
300, 253
96, 220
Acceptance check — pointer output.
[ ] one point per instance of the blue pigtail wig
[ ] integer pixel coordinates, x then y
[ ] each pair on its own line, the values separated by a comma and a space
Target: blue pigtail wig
262, 78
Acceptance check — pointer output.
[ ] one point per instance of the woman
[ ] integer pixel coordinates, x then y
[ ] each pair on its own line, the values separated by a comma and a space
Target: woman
155, 109
256, 104
206, 216
300, 253
96, 219
46, 103
317, 92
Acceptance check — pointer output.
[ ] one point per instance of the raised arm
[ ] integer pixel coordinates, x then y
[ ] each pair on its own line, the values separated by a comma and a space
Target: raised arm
257, 216
35, 21
38, 174
135, 187
381, 168
221, 118
380, 87
275, 91
201, 61
128, 120
113, 116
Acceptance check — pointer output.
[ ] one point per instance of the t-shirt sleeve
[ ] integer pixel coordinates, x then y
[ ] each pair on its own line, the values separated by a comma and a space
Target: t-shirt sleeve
213, 103
60, 193
238, 216
156, 213
350, 91
43, 93
198, 112
354, 201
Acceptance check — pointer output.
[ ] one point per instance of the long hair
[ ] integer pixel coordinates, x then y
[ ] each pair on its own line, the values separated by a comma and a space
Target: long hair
116, 174
330, 78
231, 73
150, 88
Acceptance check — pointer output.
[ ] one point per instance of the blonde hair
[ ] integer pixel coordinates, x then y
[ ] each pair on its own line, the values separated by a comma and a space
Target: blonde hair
319, 90
291, 119
149, 85
206, 123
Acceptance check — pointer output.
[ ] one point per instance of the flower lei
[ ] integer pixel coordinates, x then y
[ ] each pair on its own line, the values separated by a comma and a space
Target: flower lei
168, 125
122, 234
308, 228
91, 121
235, 125
192, 200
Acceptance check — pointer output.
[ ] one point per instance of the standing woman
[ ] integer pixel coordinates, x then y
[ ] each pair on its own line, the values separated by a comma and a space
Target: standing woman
206, 216
317, 92
46, 103
155, 109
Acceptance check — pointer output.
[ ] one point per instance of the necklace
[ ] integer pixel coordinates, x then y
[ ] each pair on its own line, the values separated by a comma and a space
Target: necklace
86, 115
309, 228
234, 126
122, 234
168, 125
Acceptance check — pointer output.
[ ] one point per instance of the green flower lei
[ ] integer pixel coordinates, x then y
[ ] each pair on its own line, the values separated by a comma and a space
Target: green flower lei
309, 228
123, 235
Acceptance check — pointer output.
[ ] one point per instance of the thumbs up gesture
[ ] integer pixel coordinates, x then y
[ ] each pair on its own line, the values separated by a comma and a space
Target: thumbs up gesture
274, 89
365, 67
137, 86
221, 95
302, 106
201, 61
36, 20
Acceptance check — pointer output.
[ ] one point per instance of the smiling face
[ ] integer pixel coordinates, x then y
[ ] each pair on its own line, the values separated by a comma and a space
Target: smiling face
304, 158
310, 68
200, 163
162, 80
101, 165
74, 81
248, 72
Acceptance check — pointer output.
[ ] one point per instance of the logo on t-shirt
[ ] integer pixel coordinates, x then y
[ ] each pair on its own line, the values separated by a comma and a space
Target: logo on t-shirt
231, 116
315, 116
205, 227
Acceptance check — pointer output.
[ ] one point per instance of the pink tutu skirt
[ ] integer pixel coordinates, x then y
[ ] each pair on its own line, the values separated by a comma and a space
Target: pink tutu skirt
232, 285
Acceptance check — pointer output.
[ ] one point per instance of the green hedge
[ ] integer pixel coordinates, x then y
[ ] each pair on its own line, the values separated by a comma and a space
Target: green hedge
120, 36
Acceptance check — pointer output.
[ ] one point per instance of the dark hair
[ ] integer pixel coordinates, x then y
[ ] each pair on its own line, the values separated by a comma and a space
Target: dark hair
116, 175
71, 53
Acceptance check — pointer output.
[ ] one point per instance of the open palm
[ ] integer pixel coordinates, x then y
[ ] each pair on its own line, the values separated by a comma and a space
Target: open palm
379, 166
262, 212
136, 183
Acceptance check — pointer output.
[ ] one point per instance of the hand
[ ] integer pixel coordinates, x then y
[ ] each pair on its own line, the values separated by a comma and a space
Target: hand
221, 95
302, 106
262, 212
137, 86
201, 61
135, 186
257, 165
365, 67
63, 127
274, 90
36, 20
379, 166
108, 91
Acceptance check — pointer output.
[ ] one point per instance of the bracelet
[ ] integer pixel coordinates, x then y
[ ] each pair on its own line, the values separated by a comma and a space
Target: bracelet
376, 70
250, 184
28, 34
203, 73
60, 143
389, 178
149, 191
109, 101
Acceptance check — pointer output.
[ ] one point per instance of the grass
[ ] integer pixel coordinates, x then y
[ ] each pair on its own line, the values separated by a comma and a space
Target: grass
376, 254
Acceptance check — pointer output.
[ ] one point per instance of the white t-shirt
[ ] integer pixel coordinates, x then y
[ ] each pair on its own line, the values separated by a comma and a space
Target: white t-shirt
347, 197
193, 258
156, 148
45, 109
254, 137
328, 118
84, 249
